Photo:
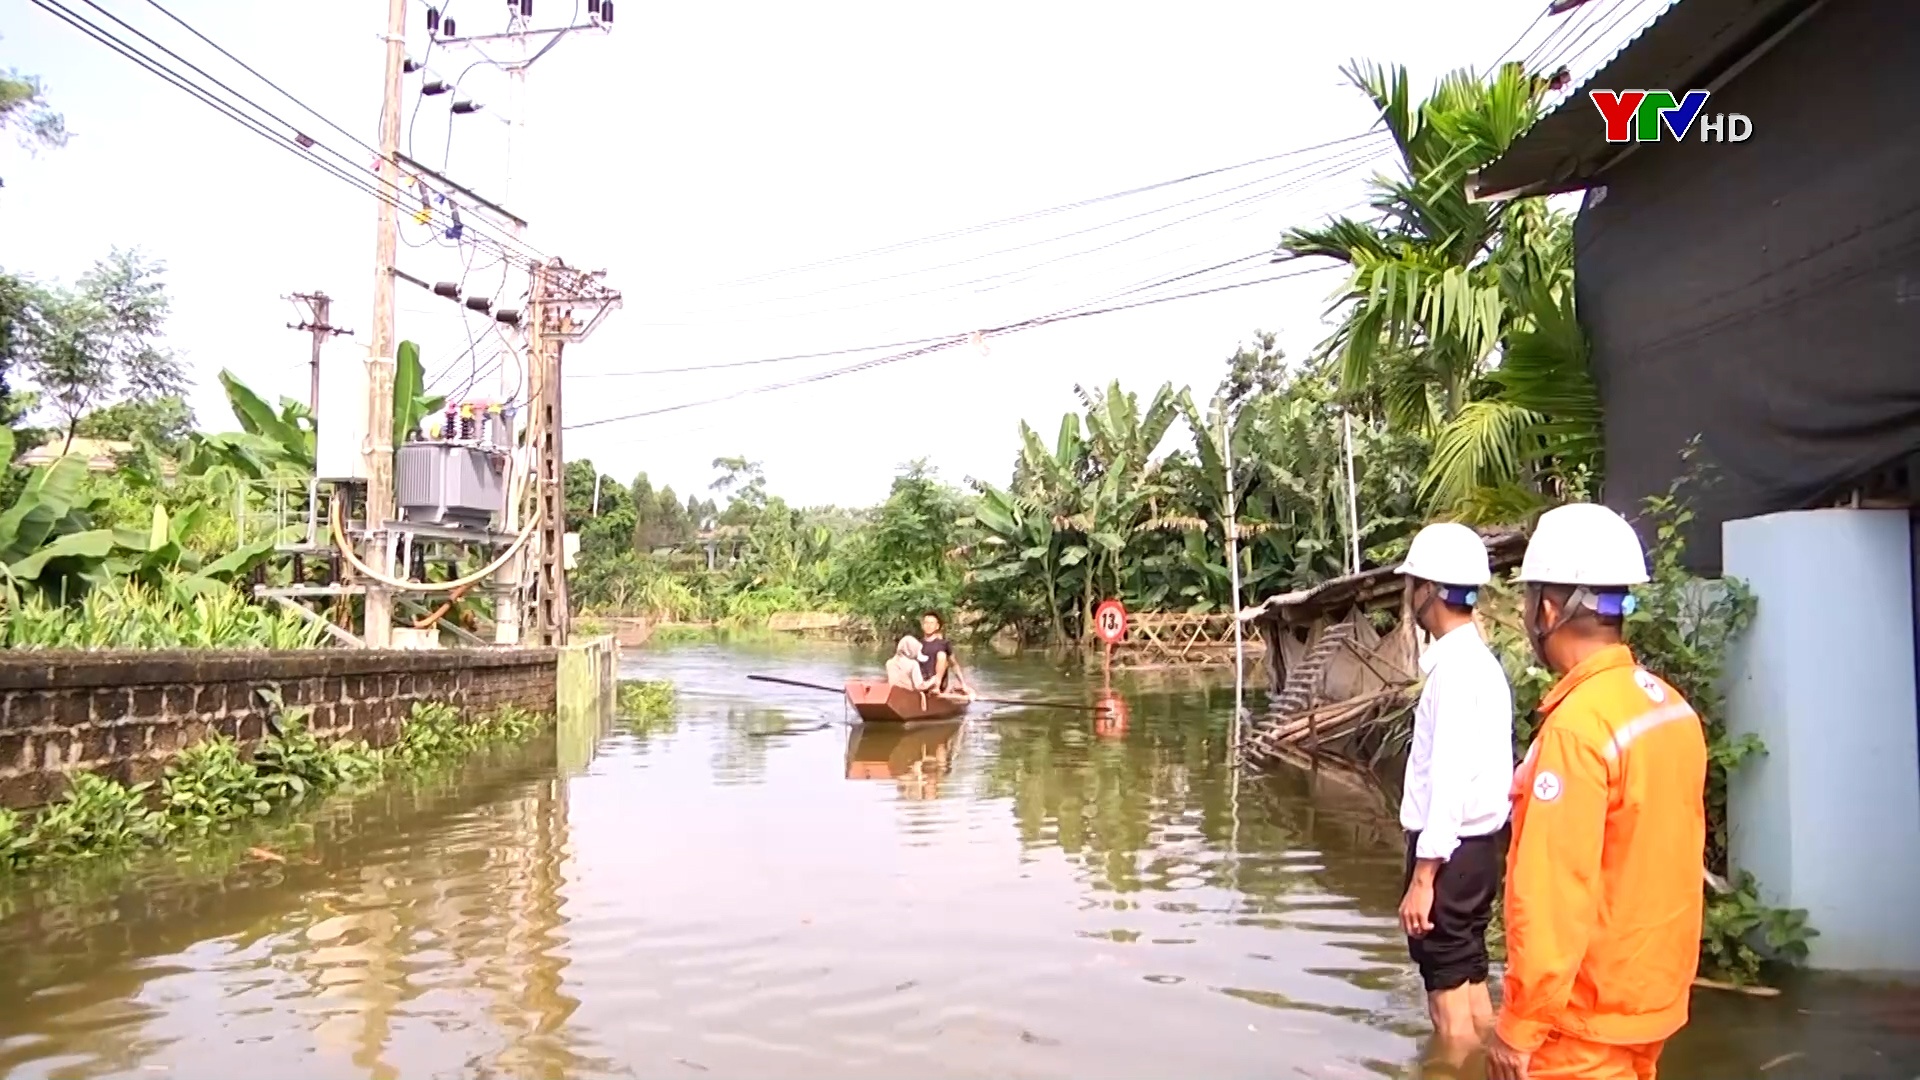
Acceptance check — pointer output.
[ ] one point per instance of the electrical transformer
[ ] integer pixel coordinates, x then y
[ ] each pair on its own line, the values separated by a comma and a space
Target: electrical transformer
459, 476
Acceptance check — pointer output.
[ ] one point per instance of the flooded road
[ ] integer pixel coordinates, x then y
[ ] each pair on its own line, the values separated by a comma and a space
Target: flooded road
756, 889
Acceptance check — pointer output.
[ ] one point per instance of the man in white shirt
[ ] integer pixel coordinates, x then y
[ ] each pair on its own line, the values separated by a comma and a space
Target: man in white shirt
1459, 770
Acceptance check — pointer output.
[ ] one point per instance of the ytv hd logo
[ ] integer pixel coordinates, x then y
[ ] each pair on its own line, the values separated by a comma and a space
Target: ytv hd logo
1638, 116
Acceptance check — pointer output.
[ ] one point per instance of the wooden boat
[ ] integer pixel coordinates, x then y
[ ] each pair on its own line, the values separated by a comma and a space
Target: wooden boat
879, 701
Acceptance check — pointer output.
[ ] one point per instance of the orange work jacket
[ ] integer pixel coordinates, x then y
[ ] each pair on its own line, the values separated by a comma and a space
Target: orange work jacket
1604, 897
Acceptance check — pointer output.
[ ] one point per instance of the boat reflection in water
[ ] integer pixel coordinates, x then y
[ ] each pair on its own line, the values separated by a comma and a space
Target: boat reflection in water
915, 756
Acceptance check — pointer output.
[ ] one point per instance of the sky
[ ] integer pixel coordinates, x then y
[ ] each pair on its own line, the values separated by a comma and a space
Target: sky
721, 162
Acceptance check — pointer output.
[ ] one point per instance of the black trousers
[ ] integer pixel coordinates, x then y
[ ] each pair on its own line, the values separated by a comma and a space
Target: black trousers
1454, 952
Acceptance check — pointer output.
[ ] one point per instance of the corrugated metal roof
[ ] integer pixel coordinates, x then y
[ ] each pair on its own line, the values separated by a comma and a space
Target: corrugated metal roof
1694, 44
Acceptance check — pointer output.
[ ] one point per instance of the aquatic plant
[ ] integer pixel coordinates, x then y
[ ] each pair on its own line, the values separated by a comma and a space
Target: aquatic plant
212, 785
644, 699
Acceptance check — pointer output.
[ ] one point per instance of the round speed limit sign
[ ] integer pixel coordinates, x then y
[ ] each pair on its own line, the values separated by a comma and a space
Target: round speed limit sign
1110, 621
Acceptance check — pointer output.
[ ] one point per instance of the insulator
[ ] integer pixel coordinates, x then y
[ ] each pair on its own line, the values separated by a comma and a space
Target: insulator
507, 316
606, 12
448, 289
433, 20
479, 304
449, 30
433, 87
410, 65
462, 108
593, 9
526, 9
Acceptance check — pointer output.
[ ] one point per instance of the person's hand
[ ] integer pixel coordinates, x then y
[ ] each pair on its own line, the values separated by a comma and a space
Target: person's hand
1503, 1061
1416, 908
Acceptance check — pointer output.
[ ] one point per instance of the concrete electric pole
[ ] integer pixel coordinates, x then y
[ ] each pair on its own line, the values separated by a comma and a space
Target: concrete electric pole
317, 323
380, 359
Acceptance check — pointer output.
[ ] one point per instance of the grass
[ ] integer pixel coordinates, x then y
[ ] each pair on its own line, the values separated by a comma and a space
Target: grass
215, 785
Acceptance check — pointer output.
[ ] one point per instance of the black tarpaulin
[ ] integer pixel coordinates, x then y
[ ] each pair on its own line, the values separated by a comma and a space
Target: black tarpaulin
1765, 295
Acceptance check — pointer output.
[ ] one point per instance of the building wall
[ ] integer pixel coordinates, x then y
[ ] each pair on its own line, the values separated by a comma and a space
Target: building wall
125, 714
1829, 819
1765, 295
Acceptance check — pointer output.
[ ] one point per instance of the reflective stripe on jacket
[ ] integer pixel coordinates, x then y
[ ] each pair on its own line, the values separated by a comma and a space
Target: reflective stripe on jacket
1603, 900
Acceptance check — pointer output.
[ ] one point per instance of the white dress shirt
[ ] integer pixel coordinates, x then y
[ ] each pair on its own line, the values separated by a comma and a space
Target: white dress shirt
1460, 767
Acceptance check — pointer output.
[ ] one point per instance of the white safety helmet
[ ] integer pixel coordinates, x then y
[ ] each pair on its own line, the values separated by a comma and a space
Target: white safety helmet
1584, 544
1448, 553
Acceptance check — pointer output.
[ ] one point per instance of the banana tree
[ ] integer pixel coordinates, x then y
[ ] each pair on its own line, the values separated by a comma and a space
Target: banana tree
47, 539
1017, 545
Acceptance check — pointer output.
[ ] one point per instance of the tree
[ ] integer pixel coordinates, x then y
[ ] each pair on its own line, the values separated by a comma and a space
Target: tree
25, 112
1253, 370
99, 343
1443, 288
745, 486
901, 564
163, 422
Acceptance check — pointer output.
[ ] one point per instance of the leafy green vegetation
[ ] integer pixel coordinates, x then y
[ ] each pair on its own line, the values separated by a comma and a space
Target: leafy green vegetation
126, 614
643, 699
216, 784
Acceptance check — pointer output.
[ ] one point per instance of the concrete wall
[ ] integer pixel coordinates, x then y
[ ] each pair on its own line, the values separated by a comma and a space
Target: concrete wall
1829, 819
125, 713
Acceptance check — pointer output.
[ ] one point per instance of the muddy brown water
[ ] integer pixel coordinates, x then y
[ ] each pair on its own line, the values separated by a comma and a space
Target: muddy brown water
756, 889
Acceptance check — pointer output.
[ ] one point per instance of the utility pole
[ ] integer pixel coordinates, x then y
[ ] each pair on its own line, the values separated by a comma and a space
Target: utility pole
378, 632
550, 325
319, 308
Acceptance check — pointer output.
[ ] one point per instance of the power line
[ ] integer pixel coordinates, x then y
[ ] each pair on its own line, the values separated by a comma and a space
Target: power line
856, 350
1343, 162
941, 345
1347, 155
300, 140
108, 39
1031, 215
1522, 36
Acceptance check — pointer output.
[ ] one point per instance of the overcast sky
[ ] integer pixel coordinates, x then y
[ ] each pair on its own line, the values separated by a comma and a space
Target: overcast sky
700, 145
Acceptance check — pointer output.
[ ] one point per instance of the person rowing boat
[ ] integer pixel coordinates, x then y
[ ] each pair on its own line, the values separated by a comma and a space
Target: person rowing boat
937, 659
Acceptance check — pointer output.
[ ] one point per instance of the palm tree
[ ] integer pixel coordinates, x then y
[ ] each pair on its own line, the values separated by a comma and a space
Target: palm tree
1458, 322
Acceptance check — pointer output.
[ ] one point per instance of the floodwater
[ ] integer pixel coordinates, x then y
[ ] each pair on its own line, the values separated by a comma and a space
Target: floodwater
756, 889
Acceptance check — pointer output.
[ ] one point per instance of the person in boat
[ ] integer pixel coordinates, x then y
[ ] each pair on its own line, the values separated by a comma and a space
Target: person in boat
937, 660
906, 669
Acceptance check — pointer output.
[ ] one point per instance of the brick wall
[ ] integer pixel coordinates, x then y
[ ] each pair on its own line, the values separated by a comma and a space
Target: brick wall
125, 713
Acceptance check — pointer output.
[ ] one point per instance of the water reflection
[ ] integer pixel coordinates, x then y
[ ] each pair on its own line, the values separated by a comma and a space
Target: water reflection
914, 756
1034, 894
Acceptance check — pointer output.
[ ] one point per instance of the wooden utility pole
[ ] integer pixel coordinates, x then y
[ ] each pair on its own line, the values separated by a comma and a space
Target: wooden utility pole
380, 361
319, 309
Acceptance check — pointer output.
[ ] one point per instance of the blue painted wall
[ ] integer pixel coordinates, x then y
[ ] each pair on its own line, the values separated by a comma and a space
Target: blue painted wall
1829, 819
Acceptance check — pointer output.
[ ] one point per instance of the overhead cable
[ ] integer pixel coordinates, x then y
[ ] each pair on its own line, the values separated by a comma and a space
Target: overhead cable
299, 141
938, 346
1048, 212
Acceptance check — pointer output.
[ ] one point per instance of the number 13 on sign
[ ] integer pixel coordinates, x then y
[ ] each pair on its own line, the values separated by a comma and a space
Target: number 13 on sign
1110, 623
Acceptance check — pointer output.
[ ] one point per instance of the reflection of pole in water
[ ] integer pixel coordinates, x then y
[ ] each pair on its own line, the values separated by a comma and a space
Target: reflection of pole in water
1233, 569
1239, 668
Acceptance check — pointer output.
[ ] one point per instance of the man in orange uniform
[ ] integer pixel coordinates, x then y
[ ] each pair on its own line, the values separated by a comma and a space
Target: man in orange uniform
1603, 898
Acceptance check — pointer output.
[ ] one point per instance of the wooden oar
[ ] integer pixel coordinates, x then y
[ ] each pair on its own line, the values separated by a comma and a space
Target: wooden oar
988, 700
798, 683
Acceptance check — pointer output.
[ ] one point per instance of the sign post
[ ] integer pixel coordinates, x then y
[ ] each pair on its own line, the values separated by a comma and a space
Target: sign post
1110, 623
